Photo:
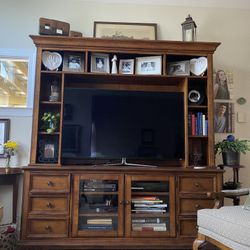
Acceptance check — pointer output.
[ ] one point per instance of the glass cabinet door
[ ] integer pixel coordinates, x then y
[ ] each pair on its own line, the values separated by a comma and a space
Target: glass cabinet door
150, 206
97, 207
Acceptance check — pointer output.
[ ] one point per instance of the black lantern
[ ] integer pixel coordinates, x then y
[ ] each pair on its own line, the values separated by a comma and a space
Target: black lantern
189, 30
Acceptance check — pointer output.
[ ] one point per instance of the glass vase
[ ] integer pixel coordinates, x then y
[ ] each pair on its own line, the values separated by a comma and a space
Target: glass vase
7, 162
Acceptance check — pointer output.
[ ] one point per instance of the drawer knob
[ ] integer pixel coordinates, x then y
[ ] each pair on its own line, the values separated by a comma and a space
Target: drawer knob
48, 228
197, 206
197, 184
49, 205
50, 183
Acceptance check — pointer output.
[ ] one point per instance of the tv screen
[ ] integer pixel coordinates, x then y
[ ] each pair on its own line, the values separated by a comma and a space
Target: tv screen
115, 124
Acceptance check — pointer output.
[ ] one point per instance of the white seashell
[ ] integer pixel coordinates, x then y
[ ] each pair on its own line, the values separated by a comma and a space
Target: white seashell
51, 60
198, 66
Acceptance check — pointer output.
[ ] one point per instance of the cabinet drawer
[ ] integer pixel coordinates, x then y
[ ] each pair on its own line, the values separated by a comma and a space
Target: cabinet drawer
202, 184
50, 183
188, 227
49, 205
190, 206
48, 228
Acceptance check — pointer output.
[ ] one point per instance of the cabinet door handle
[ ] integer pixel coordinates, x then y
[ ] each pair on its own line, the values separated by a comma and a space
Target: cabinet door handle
197, 184
197, 206
127, 202
49, 205
50, 183
124, 202
47, 228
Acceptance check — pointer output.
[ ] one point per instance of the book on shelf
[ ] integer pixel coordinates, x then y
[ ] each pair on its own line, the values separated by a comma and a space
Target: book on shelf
147, 220
149, 210
145, 200
100, 221
150, 227
197, 124
99, 189
96, 227
143, 205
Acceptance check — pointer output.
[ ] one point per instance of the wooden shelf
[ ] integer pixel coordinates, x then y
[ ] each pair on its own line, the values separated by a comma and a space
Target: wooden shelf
50, 103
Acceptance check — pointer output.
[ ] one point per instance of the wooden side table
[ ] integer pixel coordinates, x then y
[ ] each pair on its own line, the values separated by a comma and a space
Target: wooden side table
234, 193
11, 178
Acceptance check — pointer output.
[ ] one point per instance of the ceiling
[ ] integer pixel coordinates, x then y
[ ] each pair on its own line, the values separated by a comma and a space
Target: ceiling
239, 4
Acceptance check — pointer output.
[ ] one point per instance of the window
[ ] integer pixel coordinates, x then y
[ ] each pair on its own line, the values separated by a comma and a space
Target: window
16, 82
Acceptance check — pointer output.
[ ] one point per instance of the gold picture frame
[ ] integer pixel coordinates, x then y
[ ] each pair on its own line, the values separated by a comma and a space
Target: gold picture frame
121, 30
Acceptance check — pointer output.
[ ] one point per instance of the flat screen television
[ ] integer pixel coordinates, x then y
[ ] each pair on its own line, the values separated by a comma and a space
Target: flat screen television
102, 124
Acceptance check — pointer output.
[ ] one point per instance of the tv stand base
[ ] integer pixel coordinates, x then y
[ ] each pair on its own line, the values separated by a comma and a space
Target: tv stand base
125, 163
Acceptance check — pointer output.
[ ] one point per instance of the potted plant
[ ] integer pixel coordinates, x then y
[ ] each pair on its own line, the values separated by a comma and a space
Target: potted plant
51, 121
231, 148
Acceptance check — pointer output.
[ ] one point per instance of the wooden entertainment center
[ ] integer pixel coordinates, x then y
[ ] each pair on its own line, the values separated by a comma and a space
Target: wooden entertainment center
75, 205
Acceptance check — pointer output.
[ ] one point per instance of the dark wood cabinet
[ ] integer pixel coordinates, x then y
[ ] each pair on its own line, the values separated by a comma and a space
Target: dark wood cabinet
87, 202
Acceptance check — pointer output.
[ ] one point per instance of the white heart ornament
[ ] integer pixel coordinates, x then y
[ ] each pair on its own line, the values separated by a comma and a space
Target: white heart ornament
51, 60
198, 65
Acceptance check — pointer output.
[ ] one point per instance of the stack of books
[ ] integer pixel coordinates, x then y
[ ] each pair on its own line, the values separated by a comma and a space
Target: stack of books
149, 224
97, 224
149, 204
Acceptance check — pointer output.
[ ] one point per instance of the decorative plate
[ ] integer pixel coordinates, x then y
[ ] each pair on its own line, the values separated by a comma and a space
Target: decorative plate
198, 65
51, 60
241, 100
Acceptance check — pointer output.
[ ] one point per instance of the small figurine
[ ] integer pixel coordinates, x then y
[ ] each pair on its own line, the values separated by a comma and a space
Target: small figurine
114, 65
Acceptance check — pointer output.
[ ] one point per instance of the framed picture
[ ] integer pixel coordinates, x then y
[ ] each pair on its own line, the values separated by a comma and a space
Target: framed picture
118, 30
150, 65
73, 61
181, 68
100, 63
224, 117
4, 134
48, 151
71, 140
126, 66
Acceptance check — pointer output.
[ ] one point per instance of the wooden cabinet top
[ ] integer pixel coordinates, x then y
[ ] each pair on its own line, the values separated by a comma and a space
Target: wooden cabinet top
138, 46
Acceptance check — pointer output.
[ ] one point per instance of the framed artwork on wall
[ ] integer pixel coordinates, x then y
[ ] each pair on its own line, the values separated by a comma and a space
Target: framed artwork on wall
224, 117
121, 30
4, 134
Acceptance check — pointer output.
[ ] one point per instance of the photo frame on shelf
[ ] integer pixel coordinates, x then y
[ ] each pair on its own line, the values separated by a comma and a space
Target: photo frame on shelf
48, 151
4, 134
121, 30
100, 63
150, 65
126, 66
181, 68
73, 61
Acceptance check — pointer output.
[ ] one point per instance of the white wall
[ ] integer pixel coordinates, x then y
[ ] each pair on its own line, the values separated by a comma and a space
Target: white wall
18, 19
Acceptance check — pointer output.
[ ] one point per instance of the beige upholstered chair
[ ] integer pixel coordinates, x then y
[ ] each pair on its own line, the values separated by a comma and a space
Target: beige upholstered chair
227, 227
